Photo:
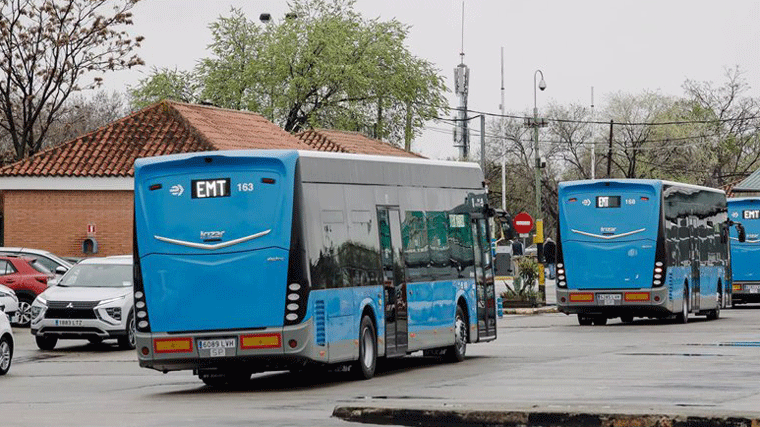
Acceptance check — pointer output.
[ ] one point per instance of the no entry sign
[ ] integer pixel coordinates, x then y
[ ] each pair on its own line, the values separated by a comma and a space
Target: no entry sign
523, 223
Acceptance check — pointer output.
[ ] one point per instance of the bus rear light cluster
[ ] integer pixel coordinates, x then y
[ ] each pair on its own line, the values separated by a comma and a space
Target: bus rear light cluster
561, 282
141, 310
657, 276
294, 310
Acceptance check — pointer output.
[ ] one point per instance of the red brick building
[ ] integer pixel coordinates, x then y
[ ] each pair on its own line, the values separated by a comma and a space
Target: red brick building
82, 190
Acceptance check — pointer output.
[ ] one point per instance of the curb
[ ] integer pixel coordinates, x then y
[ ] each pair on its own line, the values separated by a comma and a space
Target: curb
468, 418
531, 310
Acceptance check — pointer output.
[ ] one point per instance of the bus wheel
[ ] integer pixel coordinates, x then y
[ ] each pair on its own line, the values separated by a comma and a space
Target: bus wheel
456, 352
599, 320
683, 316
715, 314
584, 320
364, 368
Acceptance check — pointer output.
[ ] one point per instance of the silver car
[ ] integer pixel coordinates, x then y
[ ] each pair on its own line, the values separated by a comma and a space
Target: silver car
92, 301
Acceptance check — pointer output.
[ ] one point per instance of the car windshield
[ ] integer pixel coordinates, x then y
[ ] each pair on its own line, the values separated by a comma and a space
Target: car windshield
35, 263
98, 276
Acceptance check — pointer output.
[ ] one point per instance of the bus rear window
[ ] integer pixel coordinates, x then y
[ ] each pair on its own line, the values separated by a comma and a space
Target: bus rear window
607, 201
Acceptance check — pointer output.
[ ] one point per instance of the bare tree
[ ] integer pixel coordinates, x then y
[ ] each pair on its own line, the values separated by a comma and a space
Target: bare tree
730, 131
46, 49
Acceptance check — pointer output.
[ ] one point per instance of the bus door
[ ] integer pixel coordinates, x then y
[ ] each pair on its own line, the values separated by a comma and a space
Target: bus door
484, 280
696, 261
394, 282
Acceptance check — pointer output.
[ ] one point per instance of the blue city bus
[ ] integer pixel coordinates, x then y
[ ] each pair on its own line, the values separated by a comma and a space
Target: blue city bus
745, 256
641, 248
260, 260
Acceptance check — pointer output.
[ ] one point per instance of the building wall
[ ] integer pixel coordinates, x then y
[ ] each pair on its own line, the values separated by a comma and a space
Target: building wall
58, 221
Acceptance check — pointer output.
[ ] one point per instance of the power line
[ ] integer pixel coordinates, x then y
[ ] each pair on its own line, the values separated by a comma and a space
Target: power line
557, 120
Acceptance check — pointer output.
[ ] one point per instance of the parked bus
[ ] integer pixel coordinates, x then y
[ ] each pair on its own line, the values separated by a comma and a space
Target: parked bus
641, 248
249, 261
745, 256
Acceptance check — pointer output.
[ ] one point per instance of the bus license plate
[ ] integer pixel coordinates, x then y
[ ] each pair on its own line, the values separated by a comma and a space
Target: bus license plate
217, 347
608, 299
753, 289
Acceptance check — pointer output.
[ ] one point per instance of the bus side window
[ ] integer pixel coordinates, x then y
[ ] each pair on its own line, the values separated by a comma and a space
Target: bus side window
414, 235
461, 244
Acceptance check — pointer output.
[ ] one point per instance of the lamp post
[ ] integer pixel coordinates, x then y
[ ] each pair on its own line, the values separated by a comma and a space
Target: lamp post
536, 123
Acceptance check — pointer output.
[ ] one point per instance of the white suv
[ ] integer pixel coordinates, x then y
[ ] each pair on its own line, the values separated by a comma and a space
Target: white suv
92, 301
6, 344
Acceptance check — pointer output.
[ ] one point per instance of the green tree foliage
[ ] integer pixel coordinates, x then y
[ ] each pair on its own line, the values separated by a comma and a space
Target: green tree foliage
162, 84
325, 66
46, 50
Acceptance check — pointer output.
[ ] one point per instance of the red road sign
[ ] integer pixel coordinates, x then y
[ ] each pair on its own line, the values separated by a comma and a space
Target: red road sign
523, 223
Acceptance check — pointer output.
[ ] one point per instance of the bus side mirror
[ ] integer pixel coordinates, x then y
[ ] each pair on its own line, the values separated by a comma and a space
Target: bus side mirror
742, 232
505, 224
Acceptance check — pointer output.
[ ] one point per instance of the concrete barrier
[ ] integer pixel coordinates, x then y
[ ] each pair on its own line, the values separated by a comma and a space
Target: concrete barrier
467, 418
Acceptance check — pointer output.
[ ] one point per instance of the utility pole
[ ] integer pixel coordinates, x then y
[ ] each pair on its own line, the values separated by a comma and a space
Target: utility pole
593, 143
503, 155
609, 154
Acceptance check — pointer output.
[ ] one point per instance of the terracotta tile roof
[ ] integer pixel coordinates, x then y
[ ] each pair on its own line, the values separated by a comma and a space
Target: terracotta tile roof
167, 127
350, 142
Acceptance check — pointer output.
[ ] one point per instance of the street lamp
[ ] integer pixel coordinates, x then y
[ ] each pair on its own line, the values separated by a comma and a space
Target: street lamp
536, 123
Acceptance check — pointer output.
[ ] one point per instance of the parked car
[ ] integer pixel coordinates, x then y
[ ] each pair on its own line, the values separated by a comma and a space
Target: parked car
6, 344
8, 301
92, 301
50, 261
28, 278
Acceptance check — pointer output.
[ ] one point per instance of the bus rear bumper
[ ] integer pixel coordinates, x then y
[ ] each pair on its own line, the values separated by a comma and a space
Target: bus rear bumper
746, 291
255, 350
615, 302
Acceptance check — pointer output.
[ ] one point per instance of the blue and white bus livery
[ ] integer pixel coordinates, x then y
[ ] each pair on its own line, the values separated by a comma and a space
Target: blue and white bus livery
641, 248
745, 255
248, 261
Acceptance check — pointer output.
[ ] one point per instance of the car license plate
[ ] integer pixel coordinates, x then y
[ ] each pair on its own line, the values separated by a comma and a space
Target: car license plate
753, 289
608, 299
68, 322
217, 347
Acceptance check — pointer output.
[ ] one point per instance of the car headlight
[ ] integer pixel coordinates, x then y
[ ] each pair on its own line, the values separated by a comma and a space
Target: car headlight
40, 300
36, 311
110, 300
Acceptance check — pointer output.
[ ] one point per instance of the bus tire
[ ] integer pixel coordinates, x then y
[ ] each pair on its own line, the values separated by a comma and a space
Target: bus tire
683, 316
584, 320
364, 367
456, 352
599, 320
715, 314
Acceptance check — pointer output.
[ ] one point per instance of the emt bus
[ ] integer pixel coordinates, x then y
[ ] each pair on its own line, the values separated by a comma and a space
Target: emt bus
258, 260
641, 248
745, 256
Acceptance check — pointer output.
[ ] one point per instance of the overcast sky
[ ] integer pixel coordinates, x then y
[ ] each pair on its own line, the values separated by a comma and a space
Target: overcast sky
614, 46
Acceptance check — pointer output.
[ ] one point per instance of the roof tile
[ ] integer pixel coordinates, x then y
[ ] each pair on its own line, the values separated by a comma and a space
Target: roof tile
350, 142
167, 127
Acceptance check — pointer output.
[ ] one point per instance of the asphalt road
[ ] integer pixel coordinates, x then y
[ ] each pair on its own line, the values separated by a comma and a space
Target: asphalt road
539, 363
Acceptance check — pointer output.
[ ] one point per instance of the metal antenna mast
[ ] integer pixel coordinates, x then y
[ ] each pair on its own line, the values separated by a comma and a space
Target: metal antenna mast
461, 87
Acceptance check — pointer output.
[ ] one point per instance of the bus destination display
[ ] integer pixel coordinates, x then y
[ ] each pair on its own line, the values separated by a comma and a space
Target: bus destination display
208, 188
607, 201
